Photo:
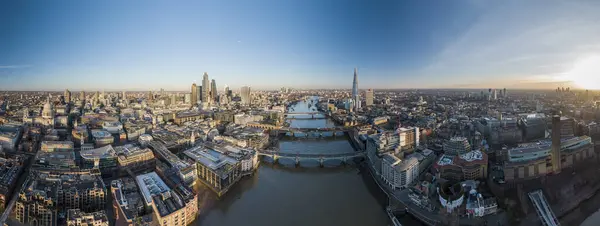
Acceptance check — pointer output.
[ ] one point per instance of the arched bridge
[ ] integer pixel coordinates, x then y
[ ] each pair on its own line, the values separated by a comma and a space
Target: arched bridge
344, 157
314, 132
303, 113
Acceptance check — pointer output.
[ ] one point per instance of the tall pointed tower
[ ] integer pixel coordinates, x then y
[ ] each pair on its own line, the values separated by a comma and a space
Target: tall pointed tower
355, 95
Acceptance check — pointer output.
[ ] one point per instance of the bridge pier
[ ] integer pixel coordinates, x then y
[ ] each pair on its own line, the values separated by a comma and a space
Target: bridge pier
275, 158
322, 162
297, 161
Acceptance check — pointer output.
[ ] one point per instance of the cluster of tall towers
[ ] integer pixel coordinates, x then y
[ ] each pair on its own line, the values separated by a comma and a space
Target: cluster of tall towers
206, 93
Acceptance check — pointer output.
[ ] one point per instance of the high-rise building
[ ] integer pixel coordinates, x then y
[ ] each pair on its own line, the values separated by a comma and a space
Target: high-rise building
495, 94
205, 88
213, 91
369, 96
124, 97
82, 95
355, 95
150, 95
194, 95
67, 96
199, 94
245, 94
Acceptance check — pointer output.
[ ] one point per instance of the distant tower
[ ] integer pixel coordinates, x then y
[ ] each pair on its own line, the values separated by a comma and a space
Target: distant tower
504, 93
205, 88
82, 95
246, 96
67, 96
213, 91
369, 96
150, 95
192, 138
556, 161
355, 95
194, 95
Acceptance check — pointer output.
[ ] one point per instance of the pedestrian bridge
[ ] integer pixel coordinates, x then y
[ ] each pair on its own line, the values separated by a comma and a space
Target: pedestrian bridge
543, 208
320, 157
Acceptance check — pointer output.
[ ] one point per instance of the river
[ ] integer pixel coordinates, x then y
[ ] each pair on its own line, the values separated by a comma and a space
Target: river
282, 194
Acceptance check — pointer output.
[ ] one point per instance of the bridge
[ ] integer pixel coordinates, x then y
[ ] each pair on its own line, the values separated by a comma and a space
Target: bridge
303, 113
315, 132
543, 208
344, 157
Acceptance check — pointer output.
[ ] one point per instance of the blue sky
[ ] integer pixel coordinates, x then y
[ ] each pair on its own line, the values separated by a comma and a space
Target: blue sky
148, 45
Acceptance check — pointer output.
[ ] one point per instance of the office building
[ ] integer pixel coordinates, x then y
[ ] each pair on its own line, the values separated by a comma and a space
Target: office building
456, 146
128, 204
102, 138
213, 91
472, 165
194, 95
59, 146
67, 96
369, 96
399, 173
171, 206
103, 158
566, 127
135, 159
246, 95
216, 170
205, 88
10, 135
401, 141
355, 94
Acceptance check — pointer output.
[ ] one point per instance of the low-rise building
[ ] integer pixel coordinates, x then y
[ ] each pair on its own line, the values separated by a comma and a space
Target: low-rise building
102, 138
469, 166
49, 193
128, 203
10, 171
76, 217
135, 159
51, 146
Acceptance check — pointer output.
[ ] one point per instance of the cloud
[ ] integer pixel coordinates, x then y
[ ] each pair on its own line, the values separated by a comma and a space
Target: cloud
18, 66
520, 40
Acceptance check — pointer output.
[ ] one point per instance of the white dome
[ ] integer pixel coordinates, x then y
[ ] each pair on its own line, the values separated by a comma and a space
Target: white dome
47, 112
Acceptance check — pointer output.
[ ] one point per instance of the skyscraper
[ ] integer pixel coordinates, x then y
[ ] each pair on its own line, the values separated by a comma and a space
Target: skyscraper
213, 91
245, 94
205, 88
198, 93
150, 95
67, 96
369, 96
226, 89
194, 95
82, 95
355, 95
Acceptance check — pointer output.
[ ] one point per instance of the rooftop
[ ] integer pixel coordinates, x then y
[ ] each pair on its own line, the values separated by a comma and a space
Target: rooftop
101, 134
209, 157
99, 153
150, 184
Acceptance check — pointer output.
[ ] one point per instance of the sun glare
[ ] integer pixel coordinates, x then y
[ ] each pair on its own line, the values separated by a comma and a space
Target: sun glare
586, 73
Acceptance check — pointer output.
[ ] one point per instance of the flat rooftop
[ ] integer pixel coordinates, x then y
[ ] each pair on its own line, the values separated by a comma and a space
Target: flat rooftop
209, 157
99, 153
150, 184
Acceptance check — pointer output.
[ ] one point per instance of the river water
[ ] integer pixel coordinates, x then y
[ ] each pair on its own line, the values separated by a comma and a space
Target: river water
282, 194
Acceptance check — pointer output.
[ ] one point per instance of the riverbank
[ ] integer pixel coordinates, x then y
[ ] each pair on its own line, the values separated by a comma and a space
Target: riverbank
587, 211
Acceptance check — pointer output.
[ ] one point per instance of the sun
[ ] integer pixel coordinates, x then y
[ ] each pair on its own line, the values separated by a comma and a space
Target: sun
586, 73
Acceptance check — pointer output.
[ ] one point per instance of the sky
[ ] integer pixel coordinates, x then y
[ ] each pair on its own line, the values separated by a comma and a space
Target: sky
267, 44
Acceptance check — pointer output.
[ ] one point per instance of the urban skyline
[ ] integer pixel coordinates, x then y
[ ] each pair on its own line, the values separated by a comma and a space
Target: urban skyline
309, 43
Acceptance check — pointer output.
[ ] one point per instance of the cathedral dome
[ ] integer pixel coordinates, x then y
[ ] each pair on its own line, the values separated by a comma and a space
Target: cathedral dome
48, 111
